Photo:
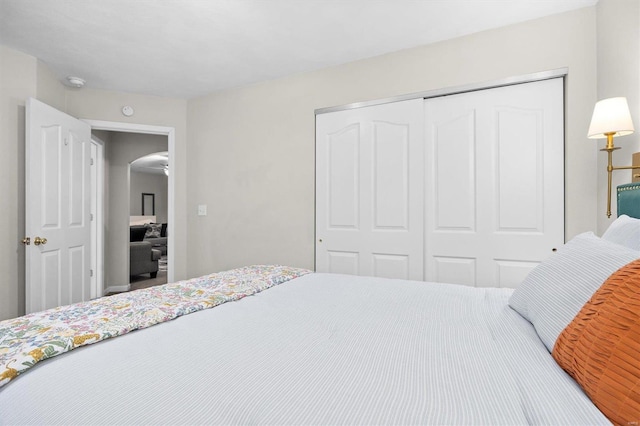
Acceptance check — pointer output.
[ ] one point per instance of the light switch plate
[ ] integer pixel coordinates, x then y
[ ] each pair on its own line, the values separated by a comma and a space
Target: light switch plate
202, 210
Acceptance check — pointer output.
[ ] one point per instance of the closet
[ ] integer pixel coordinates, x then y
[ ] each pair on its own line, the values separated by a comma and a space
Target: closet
465, 188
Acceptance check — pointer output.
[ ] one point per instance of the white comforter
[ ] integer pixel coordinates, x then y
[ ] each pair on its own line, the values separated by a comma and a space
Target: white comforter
320, 349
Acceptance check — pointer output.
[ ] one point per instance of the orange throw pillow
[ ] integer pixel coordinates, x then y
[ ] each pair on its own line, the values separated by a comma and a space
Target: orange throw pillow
600, 348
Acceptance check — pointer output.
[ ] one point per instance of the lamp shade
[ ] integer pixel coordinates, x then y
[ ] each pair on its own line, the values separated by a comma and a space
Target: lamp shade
610, 116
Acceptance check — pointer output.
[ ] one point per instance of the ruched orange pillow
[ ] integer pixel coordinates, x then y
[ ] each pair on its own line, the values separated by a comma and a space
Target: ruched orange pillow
600, 348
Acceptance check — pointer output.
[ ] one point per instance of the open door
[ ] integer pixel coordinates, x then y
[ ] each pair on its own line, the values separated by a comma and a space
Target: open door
58, 203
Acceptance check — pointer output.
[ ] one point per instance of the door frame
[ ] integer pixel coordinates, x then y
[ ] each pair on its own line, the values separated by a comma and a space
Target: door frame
97, 245
169, 132
453, 90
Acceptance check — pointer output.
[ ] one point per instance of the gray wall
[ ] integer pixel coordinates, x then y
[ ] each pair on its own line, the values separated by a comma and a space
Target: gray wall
17, 82
149, 183
21, 76
618, 75
152, 110
260, 176
250, 152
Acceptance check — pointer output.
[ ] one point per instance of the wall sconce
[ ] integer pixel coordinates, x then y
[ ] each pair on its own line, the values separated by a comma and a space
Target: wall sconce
611, 117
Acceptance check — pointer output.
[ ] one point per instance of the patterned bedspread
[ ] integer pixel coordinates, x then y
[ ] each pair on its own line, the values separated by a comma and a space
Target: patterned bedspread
26, 340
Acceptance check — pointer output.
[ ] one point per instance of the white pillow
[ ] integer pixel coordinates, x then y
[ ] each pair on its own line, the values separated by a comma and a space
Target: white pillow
553, 293
625, 231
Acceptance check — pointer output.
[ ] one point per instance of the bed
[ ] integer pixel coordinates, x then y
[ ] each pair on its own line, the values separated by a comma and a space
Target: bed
287, 346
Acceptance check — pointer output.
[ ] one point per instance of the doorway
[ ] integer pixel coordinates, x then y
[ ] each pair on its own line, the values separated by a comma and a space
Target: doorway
97, 219
117, 225
148, 251
60, 215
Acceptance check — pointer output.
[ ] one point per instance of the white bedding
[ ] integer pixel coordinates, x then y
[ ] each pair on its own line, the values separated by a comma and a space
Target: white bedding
320, 349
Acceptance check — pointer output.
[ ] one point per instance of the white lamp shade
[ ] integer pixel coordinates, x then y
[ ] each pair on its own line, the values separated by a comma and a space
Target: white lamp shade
610, 116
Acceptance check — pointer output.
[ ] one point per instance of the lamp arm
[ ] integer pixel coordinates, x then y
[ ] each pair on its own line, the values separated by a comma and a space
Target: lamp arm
625, 168
610, 169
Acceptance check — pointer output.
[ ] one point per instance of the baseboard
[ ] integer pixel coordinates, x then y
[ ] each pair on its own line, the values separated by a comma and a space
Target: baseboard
117, 289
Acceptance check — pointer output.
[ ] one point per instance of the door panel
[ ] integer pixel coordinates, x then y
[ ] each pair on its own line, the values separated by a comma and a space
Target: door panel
520, 191
369, 191
50, 162
77, 180
343, 189
454, 269
48, 294
391, 266
342, 262
503, 211
391, 175
454, 173
57, 208
509, 272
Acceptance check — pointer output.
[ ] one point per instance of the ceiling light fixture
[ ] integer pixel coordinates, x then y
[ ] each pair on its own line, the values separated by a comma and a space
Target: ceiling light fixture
75, 81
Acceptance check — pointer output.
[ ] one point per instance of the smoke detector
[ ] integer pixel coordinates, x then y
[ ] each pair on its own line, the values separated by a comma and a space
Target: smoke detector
75, 81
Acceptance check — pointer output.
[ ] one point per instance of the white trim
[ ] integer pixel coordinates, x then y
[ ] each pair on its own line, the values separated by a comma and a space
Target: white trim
170, 132
98, 245
527, 78
117, 289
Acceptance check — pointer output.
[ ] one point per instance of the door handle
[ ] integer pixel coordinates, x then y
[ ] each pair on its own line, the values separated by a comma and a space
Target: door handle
37, 241
26, 241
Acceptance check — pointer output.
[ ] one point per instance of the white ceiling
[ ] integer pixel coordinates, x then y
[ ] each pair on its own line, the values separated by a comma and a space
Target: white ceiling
152, 163
189, 48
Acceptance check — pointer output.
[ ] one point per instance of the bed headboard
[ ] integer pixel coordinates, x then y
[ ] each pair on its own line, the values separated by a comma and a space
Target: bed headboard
629, 199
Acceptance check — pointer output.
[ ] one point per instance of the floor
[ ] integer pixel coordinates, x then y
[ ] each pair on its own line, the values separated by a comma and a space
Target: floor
143, 281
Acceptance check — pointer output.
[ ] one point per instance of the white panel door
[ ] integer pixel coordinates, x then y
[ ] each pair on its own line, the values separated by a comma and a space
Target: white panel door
369, 191
57, 208
494, 183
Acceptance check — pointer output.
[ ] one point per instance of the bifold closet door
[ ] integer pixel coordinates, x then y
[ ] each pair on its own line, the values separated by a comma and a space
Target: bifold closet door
494, 183
370, 191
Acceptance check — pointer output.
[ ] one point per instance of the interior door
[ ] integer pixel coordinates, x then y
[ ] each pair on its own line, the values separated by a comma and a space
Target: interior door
494, 184
57, 208
369, 191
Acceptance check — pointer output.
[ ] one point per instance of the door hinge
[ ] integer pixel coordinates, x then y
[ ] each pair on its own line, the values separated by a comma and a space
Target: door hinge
90, 272
91, 162
91, 217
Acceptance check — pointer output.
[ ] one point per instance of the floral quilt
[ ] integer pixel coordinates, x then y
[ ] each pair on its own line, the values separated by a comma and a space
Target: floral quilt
27, 340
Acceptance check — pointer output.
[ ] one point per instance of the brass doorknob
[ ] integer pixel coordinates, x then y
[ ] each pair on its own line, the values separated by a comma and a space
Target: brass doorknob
26, 241
37, 241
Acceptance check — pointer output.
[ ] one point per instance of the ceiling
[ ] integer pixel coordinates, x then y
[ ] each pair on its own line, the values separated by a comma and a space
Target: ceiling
190, 48
152, 163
